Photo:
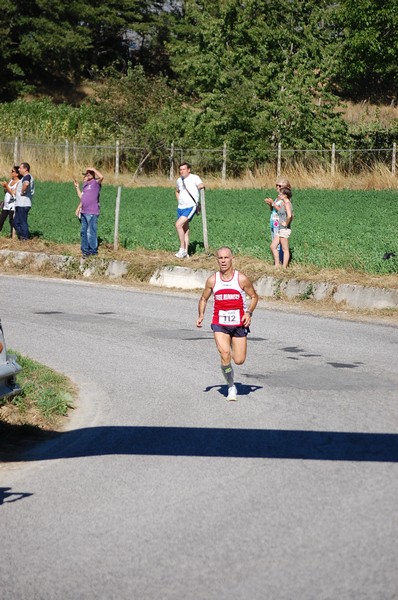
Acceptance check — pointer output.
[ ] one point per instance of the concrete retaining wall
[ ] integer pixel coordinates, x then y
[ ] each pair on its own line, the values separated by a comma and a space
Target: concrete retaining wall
355, 296
184, 278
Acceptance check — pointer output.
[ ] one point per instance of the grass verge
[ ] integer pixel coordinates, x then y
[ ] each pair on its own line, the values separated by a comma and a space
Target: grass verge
333, 229
39, 410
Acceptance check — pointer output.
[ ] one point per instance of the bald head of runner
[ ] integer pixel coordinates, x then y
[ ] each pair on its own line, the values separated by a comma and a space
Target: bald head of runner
224, 259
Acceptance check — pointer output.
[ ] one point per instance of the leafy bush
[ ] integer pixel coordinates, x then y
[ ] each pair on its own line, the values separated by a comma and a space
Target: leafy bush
44, 121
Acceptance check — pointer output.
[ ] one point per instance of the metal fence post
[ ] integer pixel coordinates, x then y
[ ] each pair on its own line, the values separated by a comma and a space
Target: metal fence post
117, 159
279, 160
204, 220
333, 161
21, 150
117, 209
224, 162
171, 170
72, 151
16, 153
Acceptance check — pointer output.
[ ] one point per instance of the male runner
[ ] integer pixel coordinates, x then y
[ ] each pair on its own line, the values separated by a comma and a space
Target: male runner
231, 318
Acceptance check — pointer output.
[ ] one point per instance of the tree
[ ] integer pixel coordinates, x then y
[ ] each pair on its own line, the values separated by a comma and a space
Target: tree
368, 67
142, 110
11, 81
51, 43
259, 73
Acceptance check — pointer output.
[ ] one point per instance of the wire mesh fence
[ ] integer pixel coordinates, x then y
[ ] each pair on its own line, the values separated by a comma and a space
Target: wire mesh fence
164, 160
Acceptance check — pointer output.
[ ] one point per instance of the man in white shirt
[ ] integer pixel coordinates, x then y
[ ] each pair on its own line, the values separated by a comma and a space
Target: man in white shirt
188, 195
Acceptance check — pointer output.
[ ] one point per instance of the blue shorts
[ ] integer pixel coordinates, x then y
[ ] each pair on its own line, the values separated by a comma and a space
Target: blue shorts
232, 331
189, 213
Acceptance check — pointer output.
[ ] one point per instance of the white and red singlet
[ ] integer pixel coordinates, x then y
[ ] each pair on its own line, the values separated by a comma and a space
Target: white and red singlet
229, 301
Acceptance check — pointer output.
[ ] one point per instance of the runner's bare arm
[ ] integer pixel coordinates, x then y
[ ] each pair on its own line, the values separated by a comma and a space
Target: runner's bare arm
247, 286
204, 298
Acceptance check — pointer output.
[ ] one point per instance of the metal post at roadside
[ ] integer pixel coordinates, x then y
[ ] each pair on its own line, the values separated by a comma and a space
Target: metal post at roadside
117, 208
171, 171
333, 161
394, 158
204, 220
279, 162
16, 153
21, 150
66, 153
117, 159
224, 162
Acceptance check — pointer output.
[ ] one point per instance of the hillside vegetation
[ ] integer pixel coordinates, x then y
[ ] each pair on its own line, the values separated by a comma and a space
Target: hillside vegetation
251, 74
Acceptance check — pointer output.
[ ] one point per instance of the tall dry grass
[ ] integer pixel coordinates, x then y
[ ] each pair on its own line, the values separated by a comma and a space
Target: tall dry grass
52, 168
317, 178
365, 112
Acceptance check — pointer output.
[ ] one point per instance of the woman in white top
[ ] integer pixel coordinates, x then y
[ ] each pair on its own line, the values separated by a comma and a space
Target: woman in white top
9, 198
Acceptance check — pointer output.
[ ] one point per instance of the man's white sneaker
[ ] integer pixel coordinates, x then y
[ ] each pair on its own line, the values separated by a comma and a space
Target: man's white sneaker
232, 393
181, 254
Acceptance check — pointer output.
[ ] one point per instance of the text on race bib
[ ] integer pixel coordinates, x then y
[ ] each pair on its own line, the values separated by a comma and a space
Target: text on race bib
229, 317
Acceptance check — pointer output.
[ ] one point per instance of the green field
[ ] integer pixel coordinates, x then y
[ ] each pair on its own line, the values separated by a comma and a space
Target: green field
332, 228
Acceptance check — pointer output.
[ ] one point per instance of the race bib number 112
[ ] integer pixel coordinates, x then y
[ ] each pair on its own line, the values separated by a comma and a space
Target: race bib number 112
228, 317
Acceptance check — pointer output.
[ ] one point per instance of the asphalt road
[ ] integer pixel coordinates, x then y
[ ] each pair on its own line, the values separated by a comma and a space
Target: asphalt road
161, 489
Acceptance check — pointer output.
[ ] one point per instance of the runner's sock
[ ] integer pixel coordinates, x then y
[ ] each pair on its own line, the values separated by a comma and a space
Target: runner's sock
228, 373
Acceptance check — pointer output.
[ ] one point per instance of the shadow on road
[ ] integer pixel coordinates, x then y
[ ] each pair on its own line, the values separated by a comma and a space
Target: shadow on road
215, 442
7, 495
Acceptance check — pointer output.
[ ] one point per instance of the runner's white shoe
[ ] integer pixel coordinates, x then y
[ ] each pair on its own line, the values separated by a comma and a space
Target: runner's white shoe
181, 254
232, 393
